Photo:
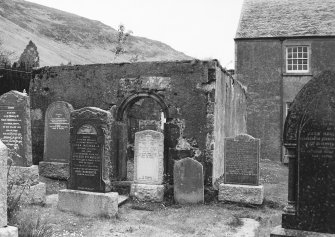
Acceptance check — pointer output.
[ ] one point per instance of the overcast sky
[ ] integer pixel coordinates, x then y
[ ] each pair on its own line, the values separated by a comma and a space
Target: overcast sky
200, 28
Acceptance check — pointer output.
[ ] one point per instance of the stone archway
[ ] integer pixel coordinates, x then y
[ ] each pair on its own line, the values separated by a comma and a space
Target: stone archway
126, 117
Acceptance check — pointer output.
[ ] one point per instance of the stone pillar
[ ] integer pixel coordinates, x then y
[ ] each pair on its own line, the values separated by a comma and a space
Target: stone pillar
292, 180
4, 229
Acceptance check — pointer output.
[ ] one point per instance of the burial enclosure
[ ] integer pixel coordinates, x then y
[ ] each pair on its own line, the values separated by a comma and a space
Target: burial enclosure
191, 102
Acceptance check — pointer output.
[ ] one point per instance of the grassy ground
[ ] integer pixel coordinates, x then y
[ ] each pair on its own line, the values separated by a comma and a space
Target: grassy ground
168, 219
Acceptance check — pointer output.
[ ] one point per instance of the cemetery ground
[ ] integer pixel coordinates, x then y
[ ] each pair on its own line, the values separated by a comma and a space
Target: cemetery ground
212, 218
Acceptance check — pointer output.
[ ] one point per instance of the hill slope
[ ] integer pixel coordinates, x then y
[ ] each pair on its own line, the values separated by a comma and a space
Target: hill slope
61, 37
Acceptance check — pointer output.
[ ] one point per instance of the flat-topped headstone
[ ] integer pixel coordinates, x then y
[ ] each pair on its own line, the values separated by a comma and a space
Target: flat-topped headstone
188, 181
309, 136
57, 132
90, 150
149, 157
3, 184
241, 162
15, 126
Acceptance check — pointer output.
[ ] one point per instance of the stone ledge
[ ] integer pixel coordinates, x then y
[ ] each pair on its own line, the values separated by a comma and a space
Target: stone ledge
278, 231
9, 231
88, 203
36, 194
241, 193
54, 170
147, 192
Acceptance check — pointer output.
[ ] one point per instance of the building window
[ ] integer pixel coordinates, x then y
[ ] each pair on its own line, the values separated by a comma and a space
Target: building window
297, 59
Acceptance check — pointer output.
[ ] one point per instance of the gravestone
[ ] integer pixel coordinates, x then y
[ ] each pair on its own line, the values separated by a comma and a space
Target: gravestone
89, 184
241, 164
56, 141
15, 133
5, 230
188, 181
309, 137
90, 150
15, 126
148, 166
241, 170
149, 157
57, 132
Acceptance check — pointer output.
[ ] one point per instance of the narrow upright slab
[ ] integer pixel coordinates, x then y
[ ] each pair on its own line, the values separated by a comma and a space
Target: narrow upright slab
3, 184
149, 157
188, 181
15, 126
57, 132
90, 150
242, 160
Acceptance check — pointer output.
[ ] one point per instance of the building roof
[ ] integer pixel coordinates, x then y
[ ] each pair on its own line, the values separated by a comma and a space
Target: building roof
286, 18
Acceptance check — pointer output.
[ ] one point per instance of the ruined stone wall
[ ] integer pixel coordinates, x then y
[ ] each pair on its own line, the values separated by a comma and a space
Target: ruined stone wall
186, 87
229, 118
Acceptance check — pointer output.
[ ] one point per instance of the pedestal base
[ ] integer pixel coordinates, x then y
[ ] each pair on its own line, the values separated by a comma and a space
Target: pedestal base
147, 192
278, 231
241, 193
35, 194
88, 203
9, 231
54, 170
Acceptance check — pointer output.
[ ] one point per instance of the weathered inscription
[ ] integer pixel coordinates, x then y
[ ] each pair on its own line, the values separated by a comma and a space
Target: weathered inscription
11, 129
149, 157
86, 161
242, 161
57, 132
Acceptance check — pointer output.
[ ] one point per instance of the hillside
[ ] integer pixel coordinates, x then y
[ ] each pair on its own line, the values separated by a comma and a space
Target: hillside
62, 37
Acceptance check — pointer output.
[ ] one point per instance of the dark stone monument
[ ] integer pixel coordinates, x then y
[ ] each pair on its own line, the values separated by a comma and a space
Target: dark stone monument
241, 171
241, 160
57, 132
188, 181
15, 126
90, 150
309, 137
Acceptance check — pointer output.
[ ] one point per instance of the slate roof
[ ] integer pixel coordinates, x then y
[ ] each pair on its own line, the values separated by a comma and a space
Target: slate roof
286, 18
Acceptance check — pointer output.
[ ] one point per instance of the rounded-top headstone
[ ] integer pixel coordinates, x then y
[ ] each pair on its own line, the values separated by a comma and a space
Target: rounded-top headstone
57, 132
188, 181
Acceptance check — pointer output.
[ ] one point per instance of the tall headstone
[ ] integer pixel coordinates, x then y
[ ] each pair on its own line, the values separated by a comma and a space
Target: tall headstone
149, 157
15, 126
148, 166
56, 141
241, 175
57, 132
5, 230
90, 150
309, 137
89, 184
188, 181
15, 133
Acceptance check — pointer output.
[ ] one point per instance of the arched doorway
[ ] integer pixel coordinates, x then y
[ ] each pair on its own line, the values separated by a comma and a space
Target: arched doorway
140, 111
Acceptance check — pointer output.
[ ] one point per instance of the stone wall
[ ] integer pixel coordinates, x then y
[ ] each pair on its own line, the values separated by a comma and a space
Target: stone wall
260, 66
186, 87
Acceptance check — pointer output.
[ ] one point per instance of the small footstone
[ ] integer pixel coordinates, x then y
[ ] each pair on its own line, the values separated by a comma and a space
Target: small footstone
241, 193
88, 203
147, 192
